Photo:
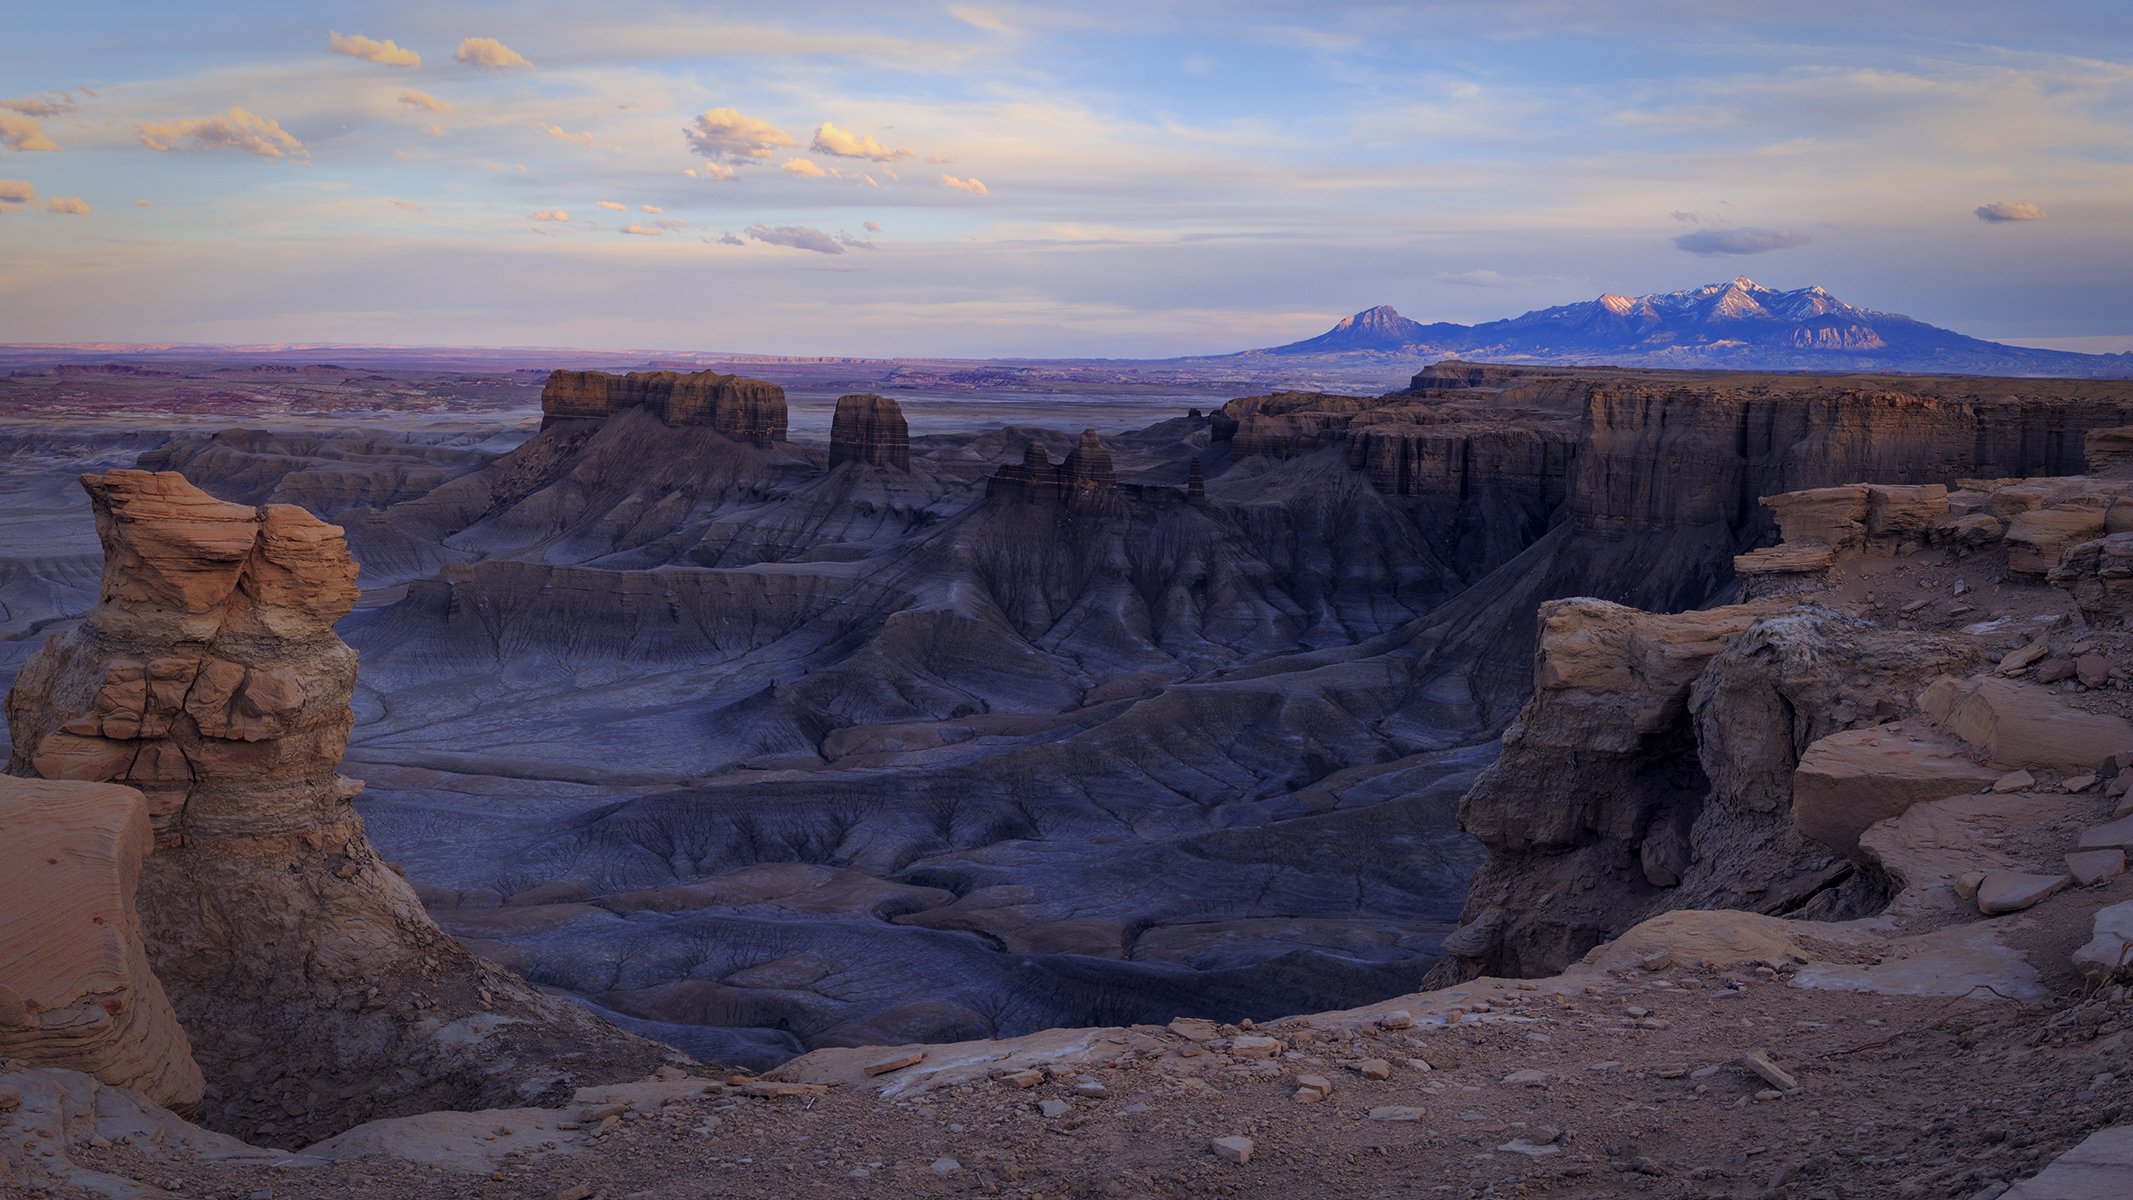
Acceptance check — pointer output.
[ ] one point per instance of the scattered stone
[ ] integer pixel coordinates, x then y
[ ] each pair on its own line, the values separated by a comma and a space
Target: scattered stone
1395, 1112
764, 1090
1420, 1064
1254, 1047
1769, 1094
1528, 1147
1090, 1087
945, 1166
2012, 891
1310, 1089
1527, 1078
895, 1063
1194, 1029
1023, 1079
1759, 1062
2013, 781
1606, 1068
2079, 783
581, 1191
1376, 1068
1054, 1108
2017, 660
2092, 670
2110, 949
2095, 866
1233, 1149
1966, 884
1657, 962
1398, 1018
2055, 670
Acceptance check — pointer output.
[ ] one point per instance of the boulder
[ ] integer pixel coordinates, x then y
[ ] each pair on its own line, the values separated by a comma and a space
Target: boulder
2037, 539
1849, 780
2095, 866
2110, 945
76, 991
2020, 725
2012, 891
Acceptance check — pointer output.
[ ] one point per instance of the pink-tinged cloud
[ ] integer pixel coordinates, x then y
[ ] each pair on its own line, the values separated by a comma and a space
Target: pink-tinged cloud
843, 143
973, 185
72, 206
355, 45
614, 206
723, 135
803, 168
551, 214
719, 171
653, 209
408, 205
797, 237
233, 130
16, 192
557, 131
873, 227
143, 202
488, 52
423, 100
51, 104
2008, 210
18, 132
642, 231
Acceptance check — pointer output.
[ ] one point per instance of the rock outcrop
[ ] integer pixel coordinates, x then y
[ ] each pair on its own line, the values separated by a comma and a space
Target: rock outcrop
315, 990
76, 990
869, 429
746, 410
1087, 477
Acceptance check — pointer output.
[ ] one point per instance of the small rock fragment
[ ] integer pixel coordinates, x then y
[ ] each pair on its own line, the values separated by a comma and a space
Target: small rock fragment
1254, 1047
1054, 1108
2013, 891
1233, 1149
1759, 1062
1374, 1068
895, 1063
1395, 1112
2095, 866
1527, 1078
2013, 781
1398, 1018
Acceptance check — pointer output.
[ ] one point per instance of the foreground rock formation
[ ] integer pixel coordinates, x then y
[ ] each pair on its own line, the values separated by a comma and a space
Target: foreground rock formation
316, 992
76, 990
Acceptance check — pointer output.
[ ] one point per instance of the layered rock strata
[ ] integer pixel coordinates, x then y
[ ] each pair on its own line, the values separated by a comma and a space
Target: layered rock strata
208, 675
869, 429
1086, 477
746, 410
76, 990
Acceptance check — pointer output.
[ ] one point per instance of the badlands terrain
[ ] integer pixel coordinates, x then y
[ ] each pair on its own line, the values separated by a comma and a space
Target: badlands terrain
1743, 756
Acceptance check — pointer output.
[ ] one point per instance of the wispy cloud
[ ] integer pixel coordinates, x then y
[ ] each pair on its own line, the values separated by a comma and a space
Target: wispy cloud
797, 237
407, 205
803, 168
236, 129
557, 131
724, 135
973, 185
18, 132
654, 209
72, 206
2003, 211
14, 193
551, 214
614, 206
843, 143
355, 45
423, 100
873, 227
488, 52
51, 104
1710, 242
642, 230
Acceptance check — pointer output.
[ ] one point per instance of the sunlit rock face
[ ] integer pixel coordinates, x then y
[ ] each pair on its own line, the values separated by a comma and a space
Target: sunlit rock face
747, 410
75, 987
208, 675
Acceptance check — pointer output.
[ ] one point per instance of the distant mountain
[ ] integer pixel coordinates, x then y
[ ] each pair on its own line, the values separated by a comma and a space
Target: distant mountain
1739, 324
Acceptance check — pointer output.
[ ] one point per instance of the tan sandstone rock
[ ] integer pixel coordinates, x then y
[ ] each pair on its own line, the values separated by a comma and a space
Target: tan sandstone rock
75, 987
1849, 780
315, 990
2019, 725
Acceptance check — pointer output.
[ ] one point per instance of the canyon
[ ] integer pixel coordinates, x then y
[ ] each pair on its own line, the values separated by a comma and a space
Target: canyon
775, 750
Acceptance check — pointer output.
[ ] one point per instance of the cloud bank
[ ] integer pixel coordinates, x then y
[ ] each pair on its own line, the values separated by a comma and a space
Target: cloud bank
73, 206
1710, 242
724, 135
797, 237
236, 129
843, 143
488, 52
2007, 210
51, 104
355, 45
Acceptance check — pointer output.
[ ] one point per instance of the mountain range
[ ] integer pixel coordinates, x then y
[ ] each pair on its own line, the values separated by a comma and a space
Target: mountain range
1739, 324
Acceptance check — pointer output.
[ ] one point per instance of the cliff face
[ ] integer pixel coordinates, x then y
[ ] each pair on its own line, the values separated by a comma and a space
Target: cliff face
747, 410
1741, 757
208, 675
869, 429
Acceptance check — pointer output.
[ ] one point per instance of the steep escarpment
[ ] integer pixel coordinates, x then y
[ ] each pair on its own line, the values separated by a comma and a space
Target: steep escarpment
870, 429
748, 410
208, 676
1901, 645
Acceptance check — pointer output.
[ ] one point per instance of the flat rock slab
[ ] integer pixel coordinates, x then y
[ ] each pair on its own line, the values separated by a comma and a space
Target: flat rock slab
2013, 891
2111, 946
1848, 781
2024, 725
2097, 1169
2118, 835
2095, 866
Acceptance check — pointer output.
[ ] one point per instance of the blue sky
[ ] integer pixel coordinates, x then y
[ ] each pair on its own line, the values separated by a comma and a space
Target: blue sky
997, 179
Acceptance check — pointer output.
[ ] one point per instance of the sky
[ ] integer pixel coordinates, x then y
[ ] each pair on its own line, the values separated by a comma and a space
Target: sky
984, 179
